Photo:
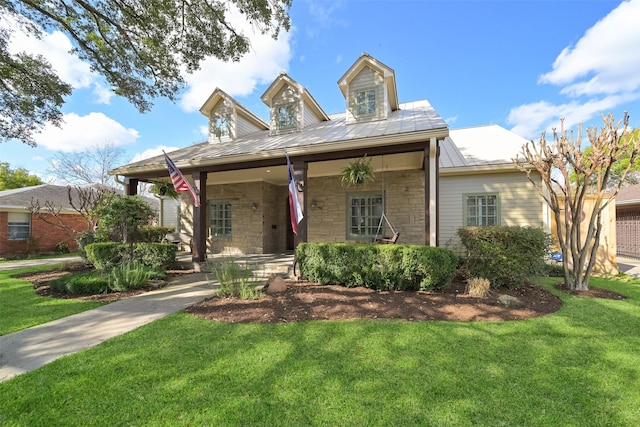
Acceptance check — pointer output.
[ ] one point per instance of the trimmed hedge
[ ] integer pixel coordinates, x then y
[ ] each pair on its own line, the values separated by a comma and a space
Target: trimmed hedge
105, 256
153, 234
381, 267
507, 256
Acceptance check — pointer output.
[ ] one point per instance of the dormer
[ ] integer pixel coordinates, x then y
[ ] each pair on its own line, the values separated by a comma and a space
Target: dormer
228, 119
291, 106
369, 89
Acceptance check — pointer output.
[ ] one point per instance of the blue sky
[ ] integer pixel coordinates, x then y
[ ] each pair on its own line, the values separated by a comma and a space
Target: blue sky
519, 64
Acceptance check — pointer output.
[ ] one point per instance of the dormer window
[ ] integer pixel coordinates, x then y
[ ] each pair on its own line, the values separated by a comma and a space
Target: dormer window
366, 102
286, 116
220, 126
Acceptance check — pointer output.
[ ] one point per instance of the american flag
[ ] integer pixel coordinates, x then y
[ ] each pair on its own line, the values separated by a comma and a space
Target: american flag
180, 183
294, 204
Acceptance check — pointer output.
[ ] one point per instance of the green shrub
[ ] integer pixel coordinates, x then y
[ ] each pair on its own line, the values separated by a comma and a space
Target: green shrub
157, 256
235, 280
381, 267
130, 275
506, 256
87, 283
62, 248
152, 234
105, 255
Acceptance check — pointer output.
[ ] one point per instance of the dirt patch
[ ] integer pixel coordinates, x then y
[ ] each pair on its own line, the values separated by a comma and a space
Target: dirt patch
310, 301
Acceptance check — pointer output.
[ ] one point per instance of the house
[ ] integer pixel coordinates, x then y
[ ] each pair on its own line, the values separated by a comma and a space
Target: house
22, 232
628, 221
429, 180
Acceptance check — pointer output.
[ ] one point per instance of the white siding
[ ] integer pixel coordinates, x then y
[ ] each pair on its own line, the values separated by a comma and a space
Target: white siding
171, 213
309, 117
222, 109
520, 203
245, 127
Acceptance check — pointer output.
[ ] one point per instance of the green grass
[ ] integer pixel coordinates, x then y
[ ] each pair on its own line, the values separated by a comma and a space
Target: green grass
21, 307
577, 367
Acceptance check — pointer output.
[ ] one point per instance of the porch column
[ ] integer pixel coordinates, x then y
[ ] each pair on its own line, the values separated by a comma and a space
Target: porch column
431, 193
131, 186
300, 175
199, 252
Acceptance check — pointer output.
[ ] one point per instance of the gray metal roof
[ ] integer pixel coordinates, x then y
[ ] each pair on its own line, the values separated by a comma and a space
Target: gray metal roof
58, 195
327, 136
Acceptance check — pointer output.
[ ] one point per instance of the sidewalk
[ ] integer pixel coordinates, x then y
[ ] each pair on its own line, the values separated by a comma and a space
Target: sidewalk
32, 348
12, 265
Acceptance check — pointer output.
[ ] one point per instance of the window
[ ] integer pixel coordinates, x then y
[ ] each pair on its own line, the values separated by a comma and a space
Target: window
220, 218
286, 116
220, 126
366, 102
19, 227
481, 209
363, 215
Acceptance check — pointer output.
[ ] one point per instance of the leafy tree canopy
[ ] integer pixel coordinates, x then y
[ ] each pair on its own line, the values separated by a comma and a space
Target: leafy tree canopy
141, 47
621, 172
16, 178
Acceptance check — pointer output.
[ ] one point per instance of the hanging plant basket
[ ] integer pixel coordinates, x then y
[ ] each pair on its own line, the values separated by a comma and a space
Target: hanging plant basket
358, 172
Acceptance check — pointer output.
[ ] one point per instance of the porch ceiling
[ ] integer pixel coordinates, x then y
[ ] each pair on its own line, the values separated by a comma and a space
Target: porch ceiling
277, 175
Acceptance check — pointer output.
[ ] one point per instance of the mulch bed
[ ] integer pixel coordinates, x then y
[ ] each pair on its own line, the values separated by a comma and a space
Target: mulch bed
302, 301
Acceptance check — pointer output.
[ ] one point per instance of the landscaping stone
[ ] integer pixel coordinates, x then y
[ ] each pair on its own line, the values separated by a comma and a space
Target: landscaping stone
276, 284
509, 301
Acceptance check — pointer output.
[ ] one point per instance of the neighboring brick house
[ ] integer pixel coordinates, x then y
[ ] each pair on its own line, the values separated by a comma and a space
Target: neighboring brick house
430, 180
22, 233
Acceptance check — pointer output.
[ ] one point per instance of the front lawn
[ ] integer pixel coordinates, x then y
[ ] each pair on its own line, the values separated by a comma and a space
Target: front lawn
21, 307
579, 366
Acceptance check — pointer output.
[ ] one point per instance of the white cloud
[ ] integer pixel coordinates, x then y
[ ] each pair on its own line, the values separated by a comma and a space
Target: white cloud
56, 47
532, 119
79, 133
152, 152
261, 65
599, 73
606, 60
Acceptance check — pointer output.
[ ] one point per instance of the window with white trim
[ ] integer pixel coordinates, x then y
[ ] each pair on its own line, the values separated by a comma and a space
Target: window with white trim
19, 226
286, 116
363, 214
220, 126
220, 218
481, 209
366, 102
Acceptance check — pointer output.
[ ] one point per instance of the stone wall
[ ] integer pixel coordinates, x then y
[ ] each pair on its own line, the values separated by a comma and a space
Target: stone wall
404, 205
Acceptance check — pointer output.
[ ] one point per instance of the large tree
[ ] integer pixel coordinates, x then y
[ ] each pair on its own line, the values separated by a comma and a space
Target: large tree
570, 174
141, 47
16, 178
90, 166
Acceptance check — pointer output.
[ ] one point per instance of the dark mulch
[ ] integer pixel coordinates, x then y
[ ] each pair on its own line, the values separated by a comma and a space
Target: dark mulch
311, 301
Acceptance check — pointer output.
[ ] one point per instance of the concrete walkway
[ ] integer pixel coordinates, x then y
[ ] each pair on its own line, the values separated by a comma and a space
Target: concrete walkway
629, 266
12, 265
32, 348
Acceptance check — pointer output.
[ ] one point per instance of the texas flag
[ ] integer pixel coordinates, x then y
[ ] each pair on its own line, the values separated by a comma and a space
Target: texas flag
294, 204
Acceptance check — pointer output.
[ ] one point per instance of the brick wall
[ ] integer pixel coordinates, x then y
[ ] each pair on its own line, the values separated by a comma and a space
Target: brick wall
44, 236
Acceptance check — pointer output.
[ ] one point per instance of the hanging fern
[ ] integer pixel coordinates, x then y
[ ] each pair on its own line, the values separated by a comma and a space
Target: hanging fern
358, 172
165, 189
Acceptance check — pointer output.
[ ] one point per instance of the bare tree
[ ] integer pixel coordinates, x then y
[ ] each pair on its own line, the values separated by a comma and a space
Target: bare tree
90, 166
569, 174
84, 200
